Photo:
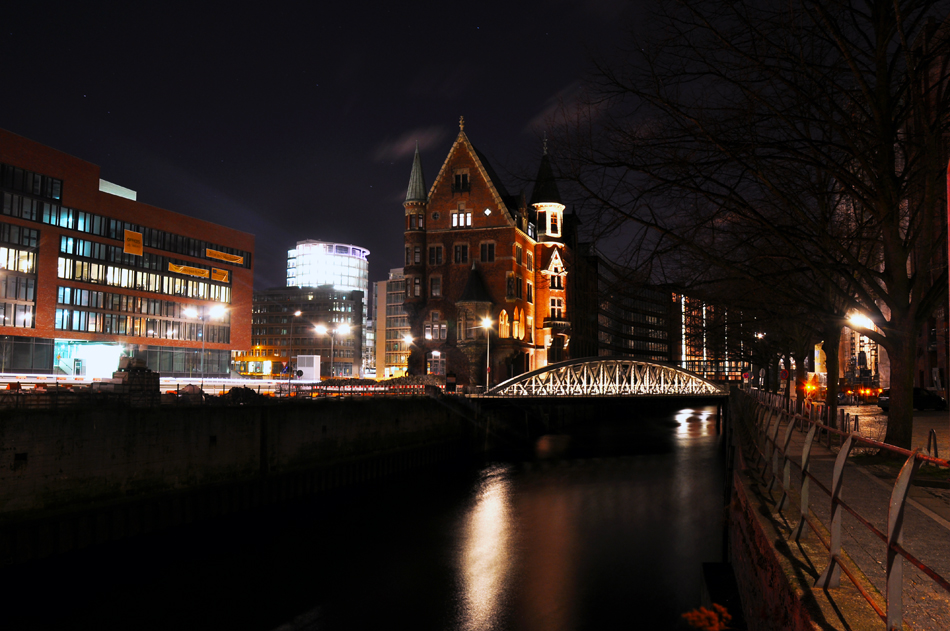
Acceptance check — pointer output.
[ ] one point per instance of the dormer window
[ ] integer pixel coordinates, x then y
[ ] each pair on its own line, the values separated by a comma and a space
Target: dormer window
461, 183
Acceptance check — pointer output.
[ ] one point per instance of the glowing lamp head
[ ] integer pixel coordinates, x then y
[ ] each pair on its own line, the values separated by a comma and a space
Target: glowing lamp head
861, 320
486, 323
320, 329
190, 312
407, 339
216, 311
343, 329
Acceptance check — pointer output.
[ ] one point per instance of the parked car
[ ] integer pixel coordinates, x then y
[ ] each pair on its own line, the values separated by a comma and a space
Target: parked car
923, 400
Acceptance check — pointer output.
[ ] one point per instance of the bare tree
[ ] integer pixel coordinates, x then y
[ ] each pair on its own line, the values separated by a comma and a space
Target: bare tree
796, 146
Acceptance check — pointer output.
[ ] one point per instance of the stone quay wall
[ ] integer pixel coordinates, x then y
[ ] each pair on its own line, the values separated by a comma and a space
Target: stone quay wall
72, 478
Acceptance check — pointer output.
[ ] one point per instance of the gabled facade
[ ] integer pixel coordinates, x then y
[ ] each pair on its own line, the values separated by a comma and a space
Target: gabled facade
473, 252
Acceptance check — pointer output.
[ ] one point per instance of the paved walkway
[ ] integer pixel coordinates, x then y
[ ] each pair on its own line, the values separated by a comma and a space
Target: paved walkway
867, 490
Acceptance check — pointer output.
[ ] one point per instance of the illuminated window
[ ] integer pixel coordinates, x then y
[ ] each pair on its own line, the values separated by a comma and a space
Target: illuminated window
504, 328
557, 308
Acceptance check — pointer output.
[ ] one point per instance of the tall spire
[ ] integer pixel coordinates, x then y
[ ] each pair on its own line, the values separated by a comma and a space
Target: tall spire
545, 186
417, 181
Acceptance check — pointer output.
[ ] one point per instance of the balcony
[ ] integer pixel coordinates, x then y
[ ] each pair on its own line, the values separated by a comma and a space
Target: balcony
556, 323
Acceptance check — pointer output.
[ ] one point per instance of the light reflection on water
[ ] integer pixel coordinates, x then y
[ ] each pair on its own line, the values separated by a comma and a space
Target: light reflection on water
696, 422
592, 542
486, 555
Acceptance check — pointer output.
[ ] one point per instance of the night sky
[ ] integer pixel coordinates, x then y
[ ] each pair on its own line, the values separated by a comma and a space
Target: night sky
297, 121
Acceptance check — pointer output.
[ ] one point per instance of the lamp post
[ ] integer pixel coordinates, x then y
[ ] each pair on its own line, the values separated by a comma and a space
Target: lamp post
486, 324
407, 340
216, 311
341, 329
290, 356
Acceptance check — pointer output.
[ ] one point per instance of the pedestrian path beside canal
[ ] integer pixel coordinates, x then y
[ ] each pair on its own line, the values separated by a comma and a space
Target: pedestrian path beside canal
867, 489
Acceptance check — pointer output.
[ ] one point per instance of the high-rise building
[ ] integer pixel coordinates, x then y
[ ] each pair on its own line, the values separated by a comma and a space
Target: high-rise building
88, 273
317, 263
392, 326
341, 266
285, 326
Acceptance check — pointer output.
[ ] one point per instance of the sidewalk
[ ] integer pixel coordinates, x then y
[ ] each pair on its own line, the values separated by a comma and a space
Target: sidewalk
867, 490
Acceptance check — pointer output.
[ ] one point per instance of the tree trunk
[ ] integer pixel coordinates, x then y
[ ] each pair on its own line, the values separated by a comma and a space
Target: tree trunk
902, 352
832, 338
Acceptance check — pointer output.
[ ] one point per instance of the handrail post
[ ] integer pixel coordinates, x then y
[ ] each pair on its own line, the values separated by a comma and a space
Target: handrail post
831, 577
787, 469
806, 483
894, 568
774, 446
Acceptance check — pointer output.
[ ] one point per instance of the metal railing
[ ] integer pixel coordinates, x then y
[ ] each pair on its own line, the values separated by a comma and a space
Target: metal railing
770, 413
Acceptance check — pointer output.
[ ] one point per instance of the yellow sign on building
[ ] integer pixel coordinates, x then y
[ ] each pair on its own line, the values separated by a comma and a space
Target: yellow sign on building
223, 256
220, 275
190, 271
133, 243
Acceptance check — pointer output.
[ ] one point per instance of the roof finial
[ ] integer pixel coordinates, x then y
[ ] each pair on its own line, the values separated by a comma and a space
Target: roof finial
461, 123
545, 143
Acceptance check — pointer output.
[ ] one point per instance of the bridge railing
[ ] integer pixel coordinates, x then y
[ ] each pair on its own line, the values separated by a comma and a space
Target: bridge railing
772, 453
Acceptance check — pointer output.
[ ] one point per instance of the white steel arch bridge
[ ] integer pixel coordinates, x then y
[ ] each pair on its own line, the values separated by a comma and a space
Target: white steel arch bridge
611, 376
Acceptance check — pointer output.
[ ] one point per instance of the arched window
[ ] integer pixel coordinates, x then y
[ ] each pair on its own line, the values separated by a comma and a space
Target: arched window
504, 329
516, 325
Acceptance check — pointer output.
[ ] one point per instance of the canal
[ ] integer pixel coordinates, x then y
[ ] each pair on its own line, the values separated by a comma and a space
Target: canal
606, 529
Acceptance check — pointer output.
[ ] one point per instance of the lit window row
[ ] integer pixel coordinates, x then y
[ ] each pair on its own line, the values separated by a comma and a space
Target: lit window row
115, 324
17, 260
85, 271
20, 316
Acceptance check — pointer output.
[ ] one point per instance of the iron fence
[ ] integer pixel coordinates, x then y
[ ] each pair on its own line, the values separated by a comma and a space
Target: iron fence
770, 413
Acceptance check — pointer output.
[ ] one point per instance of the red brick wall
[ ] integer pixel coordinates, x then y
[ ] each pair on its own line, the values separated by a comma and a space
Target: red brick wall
81, 192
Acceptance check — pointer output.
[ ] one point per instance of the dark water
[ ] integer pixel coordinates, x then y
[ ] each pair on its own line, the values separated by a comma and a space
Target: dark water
610, 536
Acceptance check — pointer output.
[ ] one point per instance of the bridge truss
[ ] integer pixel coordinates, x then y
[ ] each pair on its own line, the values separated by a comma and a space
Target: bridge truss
607, 377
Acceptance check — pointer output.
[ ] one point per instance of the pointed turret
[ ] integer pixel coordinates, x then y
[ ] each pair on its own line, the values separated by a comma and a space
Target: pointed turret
417, 180
546, 200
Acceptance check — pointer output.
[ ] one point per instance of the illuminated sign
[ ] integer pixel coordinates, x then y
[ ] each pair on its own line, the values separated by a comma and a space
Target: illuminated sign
133, 243
220, 275
190, 271
222, 256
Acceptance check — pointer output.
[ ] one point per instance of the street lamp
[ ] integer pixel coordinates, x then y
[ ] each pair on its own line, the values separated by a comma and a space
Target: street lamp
341, 329
486, 324
216, 311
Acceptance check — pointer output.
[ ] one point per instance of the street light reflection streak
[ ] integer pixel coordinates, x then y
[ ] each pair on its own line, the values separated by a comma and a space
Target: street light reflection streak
696, 422
486, 551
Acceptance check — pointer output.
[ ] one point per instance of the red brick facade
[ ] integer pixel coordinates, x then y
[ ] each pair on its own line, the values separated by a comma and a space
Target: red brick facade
467, 233
81, 192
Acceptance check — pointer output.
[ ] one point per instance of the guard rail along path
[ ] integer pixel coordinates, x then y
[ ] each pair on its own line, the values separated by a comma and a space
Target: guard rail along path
863, 537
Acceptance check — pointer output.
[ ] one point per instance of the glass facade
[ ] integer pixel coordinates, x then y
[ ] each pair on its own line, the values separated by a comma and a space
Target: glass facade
94, 264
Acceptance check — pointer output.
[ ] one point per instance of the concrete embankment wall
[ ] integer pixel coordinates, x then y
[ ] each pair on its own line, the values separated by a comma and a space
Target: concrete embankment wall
69, 479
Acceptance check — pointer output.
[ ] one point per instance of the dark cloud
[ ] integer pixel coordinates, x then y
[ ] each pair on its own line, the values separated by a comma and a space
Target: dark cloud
405, 145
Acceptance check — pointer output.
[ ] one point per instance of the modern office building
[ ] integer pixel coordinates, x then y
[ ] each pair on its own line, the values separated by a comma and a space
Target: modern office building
342, 266
392, 326
88, 273
635, 319
285, 326
317, 263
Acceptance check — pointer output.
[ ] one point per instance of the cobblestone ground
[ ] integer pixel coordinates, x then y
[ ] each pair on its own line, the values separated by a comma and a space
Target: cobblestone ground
927, 518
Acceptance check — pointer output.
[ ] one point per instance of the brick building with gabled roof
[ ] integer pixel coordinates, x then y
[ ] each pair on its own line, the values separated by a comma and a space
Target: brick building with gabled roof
473, 251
